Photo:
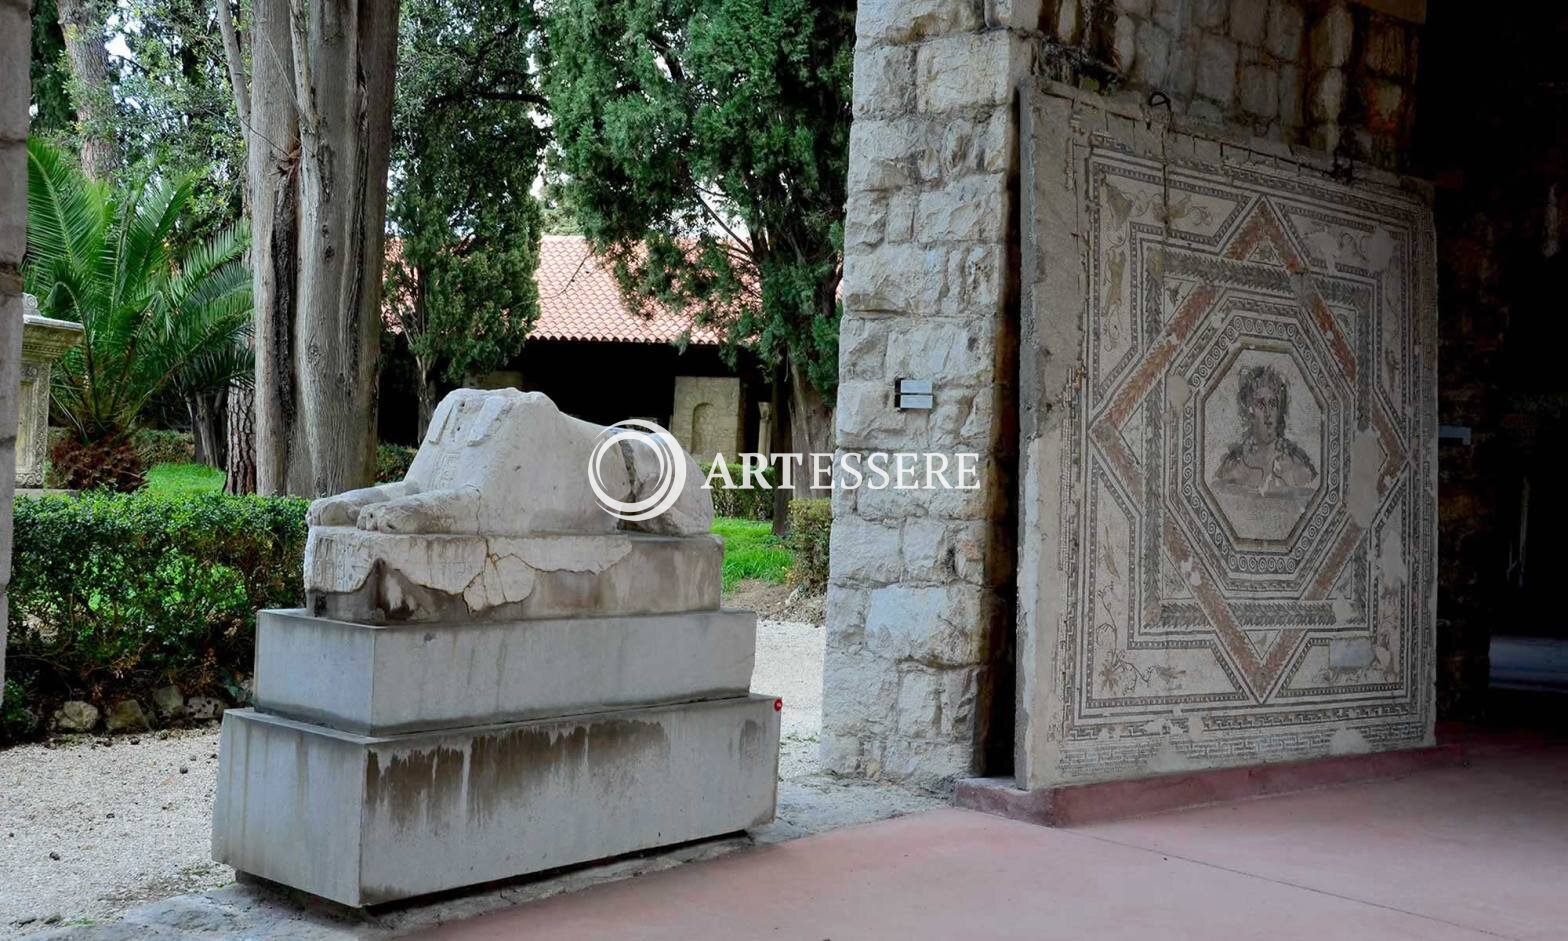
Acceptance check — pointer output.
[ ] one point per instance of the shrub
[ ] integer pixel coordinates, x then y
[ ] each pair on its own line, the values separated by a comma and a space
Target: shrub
810, 522
107, 463
755, 503
392, 461
160, 446
113, 595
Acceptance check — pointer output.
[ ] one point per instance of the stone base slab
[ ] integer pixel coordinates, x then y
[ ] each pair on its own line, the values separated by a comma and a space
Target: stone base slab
1077, 804
374, 578
364, 820
386, 679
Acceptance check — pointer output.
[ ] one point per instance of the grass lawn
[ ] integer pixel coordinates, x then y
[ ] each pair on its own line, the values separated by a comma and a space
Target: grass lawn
174, 480
751, 551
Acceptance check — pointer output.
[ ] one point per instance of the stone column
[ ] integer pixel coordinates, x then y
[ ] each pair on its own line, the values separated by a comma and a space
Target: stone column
44, 340
917, 599
14, 85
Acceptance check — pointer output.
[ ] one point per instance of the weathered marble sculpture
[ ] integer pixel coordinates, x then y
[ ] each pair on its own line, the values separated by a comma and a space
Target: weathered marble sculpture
495, 675
496, 518
508, 463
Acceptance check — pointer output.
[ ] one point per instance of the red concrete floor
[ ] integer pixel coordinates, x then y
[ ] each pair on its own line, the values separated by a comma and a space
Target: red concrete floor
1478, 852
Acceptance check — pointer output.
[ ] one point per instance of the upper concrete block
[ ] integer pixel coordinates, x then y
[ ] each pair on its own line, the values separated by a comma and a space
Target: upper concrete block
399, 678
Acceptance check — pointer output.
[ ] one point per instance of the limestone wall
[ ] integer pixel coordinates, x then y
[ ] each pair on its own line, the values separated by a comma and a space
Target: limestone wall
14, 33
1325, 74
709, 416
1228, 410
914, 608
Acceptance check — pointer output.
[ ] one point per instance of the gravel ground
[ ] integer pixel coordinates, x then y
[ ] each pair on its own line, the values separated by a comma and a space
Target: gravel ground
91, 826
130, 824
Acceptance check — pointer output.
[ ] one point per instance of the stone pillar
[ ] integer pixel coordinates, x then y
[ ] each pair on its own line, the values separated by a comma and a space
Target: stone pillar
44, 339
708, 416
14, 85
917, 597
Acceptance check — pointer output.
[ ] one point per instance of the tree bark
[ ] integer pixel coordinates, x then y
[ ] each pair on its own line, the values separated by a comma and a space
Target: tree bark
82, 22
344, 58
810, 424
240, 427
240, 462
207, 418
272, 143
426, 395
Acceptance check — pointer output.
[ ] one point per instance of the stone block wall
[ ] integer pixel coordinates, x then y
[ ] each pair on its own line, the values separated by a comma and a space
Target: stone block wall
14, 84
1325, 74
709, 416
918, 599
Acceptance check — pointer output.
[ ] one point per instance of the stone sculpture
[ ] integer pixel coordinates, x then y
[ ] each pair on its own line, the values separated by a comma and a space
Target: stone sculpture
494, 675
503, 478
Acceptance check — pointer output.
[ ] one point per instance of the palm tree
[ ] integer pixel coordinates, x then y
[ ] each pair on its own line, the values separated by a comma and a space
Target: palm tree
154, 321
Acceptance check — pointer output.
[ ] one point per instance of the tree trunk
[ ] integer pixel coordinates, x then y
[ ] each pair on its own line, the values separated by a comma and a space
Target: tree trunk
427, 396
241, 459
779, 442
207, 415
82, 22
810, 424
344, 59
273, 187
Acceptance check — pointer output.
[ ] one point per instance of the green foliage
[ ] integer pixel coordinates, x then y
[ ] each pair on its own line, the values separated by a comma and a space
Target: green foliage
176, 110
810, 525
460, 280
19, 720
703, 147
162, 446
751, 551
184, 479
53, 115
113, 595
392, 462
747, 503
155, 320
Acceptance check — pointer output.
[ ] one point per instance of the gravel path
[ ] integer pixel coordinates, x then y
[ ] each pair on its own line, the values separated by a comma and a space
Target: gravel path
89, 829
130, 826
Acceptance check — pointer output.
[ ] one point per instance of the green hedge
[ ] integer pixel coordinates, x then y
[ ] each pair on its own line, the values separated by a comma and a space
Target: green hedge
113, 595
392, 461
755, 503
810, 523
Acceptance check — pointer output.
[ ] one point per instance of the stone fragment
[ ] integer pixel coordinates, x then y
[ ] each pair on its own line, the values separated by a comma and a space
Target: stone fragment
76, 716
127, 715
204, 707
168, 701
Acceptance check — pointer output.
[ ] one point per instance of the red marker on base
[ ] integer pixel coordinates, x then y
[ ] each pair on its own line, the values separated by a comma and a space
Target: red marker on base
778, 705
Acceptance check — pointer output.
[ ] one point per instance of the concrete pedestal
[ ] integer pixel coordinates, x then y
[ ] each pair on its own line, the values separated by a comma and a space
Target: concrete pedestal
382, 679
367, 819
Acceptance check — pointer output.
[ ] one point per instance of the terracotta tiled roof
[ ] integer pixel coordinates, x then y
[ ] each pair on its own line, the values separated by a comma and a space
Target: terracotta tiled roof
579, 300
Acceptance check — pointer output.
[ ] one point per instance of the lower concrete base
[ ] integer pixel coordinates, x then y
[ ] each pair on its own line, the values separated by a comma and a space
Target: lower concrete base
1076, 804
362, 820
